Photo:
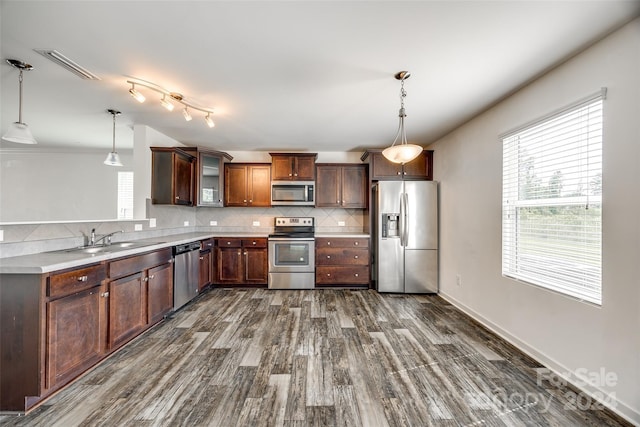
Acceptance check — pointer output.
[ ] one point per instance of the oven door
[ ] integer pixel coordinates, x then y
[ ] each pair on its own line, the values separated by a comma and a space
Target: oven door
289, 255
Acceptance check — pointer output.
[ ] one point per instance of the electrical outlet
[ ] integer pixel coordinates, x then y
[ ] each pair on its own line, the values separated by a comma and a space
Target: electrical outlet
137, 227
186, 223
1, 235
341, 223
213, 223
458, 280
256, 223
152, 222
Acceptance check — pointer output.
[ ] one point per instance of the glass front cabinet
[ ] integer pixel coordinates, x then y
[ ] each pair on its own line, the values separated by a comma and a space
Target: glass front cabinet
209, 176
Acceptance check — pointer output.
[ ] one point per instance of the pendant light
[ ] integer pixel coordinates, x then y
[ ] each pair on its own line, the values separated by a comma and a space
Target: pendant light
403, 152
113, 159
19, 131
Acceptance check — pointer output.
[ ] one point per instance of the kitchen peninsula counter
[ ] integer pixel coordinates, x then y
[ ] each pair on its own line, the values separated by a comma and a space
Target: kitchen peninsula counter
45, 262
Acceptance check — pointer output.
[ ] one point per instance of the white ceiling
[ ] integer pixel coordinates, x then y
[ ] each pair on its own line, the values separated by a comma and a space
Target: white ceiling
305, 75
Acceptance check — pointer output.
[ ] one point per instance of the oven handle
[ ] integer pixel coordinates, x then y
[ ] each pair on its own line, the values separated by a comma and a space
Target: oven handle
293, 239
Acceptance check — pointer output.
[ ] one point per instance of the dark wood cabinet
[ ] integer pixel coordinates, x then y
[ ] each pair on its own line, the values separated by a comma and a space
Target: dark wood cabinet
209, 176
342, 261
241, 261
293, 166
172, 176
205, 269
341, 185
75, 323
127, 309
159, 292
247, 184
382, 169
140, 293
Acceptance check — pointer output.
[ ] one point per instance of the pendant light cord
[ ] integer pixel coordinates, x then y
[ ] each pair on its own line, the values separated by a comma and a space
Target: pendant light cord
114, 132
20, 98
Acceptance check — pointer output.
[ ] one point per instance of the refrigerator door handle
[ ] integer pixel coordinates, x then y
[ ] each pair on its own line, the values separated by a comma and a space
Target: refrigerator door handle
403, 219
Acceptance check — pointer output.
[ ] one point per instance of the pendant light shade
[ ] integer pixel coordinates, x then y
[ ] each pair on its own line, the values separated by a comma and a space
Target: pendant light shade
113, 159
403, 152
19, 131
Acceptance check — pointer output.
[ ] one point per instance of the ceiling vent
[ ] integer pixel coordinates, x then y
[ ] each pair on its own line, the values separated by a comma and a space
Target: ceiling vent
65, 62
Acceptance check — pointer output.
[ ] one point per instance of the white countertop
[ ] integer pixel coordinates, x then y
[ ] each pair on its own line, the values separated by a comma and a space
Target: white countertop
46, 262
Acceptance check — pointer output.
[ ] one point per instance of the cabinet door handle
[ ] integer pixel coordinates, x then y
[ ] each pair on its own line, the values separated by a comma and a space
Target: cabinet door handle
209, 244
289, 174
201, 258
152, 276
104, 294
329, 243
83, 278
245, 200
146, 279
295, 174
177, 197
250, 201
404, 173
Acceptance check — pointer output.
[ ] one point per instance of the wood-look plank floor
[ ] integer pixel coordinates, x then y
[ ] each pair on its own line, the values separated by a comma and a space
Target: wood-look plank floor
255, 357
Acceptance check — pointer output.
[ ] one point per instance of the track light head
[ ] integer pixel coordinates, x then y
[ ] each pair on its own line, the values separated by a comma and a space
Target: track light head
135, 94
209, 120
166, 104
186, 114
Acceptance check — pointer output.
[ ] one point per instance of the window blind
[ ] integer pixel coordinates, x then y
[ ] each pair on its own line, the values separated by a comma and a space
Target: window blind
552, 202
125, 195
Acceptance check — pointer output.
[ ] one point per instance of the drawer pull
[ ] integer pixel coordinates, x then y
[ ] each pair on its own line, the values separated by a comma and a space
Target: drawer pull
83, 278
254, 243
328, 256
356, 256
328, 274
329, 243
228, 243
356, 274
356, 243
209, 244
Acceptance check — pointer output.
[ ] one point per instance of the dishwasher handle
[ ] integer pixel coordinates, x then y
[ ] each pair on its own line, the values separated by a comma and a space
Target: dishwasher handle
187, 247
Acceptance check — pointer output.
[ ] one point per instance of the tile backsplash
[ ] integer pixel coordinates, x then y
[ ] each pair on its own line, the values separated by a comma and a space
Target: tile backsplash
23, 239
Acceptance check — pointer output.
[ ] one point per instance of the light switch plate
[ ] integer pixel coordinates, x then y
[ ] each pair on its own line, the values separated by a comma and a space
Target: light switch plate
186, 223
213, 223
256, 223
1, 235
341, 224
137, 227
152, 222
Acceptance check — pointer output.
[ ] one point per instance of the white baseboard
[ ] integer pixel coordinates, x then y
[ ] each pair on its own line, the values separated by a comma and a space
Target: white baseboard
617, 406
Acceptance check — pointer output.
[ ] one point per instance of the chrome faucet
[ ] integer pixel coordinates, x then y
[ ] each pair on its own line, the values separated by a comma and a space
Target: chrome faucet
93, 241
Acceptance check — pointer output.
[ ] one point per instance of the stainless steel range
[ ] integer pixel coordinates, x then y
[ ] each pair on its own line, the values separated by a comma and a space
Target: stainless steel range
292, 253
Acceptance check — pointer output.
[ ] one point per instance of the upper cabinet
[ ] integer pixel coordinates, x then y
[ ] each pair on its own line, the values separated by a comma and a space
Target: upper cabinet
172, 176
293, 166
247, 184
341, 185
209, 175
382, 169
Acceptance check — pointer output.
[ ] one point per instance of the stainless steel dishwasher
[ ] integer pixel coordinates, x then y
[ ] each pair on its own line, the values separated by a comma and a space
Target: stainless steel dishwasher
186, 273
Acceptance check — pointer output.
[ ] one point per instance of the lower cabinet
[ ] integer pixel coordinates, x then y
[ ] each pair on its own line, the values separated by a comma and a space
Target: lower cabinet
342, 261
140, 293
57, 325
241, 261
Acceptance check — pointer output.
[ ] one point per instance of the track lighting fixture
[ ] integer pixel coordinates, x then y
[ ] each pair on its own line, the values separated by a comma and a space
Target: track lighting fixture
403, 152
168, 98
136, 95
113, 159
166, 104
19, 131
209, 120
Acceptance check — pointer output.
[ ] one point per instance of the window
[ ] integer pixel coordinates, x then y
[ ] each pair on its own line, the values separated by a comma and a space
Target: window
552, 202
125, 195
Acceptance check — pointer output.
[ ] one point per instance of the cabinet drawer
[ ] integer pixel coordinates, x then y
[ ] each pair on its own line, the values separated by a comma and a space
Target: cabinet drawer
134, 264
342, 256
69, 282
229, 243
342, 275
254, 243
207, 244
341, 242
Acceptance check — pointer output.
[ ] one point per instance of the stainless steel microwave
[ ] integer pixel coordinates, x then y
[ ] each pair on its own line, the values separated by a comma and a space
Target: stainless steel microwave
293, 193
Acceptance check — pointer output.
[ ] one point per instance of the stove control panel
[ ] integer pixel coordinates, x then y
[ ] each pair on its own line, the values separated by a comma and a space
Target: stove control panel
294, 221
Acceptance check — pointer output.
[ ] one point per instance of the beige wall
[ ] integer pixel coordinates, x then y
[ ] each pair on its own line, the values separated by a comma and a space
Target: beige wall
561, 332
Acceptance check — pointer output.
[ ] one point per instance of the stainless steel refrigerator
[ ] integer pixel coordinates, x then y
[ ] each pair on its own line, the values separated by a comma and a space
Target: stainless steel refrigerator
406, 236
